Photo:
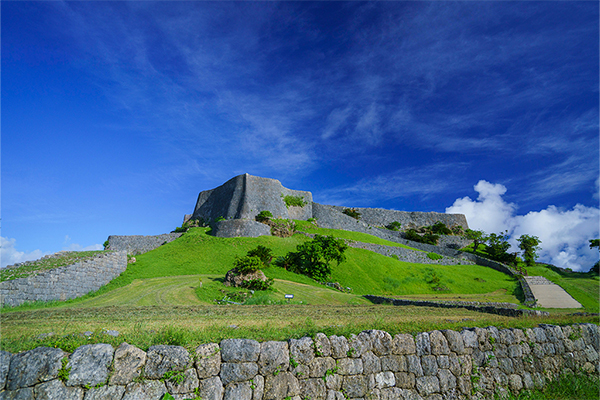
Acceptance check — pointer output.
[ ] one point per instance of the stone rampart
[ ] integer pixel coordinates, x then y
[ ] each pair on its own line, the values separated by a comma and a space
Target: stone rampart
65, 282
138, 244
408, 219
240, 227
506, 309
475, 363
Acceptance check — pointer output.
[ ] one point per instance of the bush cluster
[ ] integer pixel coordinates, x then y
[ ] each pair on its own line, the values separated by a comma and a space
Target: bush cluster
427, 238
290, 200
351, 212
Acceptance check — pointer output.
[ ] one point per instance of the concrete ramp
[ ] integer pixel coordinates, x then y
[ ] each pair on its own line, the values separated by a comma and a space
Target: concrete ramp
550, 295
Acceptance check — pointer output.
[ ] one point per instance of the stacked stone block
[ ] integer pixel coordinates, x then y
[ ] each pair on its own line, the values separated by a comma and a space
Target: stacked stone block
138, 244
65, 282
473, 364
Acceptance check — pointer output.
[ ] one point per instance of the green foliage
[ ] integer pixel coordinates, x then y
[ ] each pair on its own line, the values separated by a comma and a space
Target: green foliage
221, 218
258, 284
290, 200
439, 228
264, 253
248, 264
167, 396
428, 238
352, 212
434, 256
282, 227
394, 226
63, 372
568, 386
391, 283
105, 244
192, 223
313, 258
176, 377
530, 246
497, 247
264, 216
594, 243
478, 238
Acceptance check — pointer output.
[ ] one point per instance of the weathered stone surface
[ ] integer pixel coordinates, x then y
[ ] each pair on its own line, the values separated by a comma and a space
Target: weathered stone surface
105, 393
211, 388
4, 363
515, 382
55, 389
371, 363
438, 343
313, 389
239, 350
423, 344
333, 382
393, 363
414, 365
190, 382
427, 385
258, 387
463, 382
208, 360
238, 372
355, 385
507, 337
19, 394
405, 380
240, 227
34, 366
162, 359
127, 364
235, 279
469, 338
385, 379
359, 344
381, 342
350, 366
280, 386
403, 343
319, 366
302, 350
447, 380
148, 390
429, 364
335, 395
455, 341
339, 346
273, 356
322, 345
301, 371
238, 391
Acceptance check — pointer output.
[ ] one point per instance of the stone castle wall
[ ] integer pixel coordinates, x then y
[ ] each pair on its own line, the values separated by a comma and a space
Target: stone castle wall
138, 244
65, 282
475, 363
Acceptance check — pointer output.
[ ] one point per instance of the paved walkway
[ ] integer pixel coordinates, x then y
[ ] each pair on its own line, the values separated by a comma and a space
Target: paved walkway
550, 295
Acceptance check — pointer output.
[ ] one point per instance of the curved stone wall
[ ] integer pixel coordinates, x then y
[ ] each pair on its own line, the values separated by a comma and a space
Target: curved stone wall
65, 282
475, 363
138, 244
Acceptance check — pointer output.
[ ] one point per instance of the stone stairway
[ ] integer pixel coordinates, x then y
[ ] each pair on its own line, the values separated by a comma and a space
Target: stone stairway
550, 295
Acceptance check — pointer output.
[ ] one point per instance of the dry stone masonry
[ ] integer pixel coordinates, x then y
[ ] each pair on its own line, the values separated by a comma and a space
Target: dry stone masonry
65, 282
138, 244
475, 363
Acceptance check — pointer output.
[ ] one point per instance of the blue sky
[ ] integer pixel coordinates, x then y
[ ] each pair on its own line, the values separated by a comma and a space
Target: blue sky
115, 115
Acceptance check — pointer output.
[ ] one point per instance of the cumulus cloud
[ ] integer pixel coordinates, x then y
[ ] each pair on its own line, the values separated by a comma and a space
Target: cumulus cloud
10, 255
68, 246
564, 234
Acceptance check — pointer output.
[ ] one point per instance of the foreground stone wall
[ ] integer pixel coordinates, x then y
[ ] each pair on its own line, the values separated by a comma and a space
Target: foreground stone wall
138, 244
472, 364
65, 282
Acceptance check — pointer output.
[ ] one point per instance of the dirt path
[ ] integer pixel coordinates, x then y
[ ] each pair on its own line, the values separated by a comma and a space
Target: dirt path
550, 295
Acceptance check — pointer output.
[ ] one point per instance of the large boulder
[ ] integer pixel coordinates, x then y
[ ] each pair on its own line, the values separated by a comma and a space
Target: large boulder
234, 278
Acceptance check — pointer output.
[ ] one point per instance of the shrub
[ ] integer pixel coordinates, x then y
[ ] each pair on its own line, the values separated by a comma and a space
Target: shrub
411, 234
290, 200
351, 212
497, 247
258, 284
263, 216
282, 228
434, 256
264, 253
246, 265
530, 246
394, 226
428, 238
440, 228
105, 244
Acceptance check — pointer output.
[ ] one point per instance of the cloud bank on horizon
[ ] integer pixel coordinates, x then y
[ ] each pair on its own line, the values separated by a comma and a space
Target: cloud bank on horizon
116, 114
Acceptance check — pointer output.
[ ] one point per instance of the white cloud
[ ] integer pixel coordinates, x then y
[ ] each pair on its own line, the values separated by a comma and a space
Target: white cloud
564, 234
78, 247
10, 255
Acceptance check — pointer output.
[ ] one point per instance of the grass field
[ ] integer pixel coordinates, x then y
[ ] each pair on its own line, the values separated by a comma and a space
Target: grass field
170, 296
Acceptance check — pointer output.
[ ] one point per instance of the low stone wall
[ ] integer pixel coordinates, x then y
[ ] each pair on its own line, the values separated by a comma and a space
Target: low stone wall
408, 219
472, 364
506, 309
240, 227
65, 282
408, 255
138, 244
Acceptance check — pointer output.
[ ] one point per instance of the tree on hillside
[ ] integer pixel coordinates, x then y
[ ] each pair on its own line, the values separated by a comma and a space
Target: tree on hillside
530, 246
497, 246
595, 243
478, 238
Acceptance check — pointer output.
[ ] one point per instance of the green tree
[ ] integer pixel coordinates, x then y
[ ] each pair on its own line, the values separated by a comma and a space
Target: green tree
264, 253
497, 245
478, 238
530, 246
594, 243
